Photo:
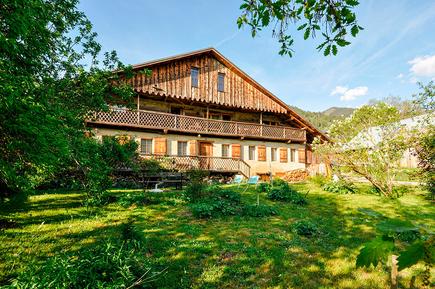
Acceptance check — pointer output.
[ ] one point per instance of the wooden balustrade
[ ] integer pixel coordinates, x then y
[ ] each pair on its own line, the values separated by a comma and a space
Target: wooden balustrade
187, 163
183, 123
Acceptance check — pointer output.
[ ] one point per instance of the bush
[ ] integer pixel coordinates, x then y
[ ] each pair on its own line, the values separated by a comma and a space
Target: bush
259, 211
285, 193
319, 180
108, 264
305, 228
263, 187
197, 187
216, 201
277, 182
340, 187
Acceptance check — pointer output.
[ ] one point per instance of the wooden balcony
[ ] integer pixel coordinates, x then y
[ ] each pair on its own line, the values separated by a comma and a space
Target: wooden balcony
214, 164
189, 124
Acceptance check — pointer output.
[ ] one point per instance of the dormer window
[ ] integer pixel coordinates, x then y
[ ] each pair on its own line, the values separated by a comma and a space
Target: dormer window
194, 73
221, 82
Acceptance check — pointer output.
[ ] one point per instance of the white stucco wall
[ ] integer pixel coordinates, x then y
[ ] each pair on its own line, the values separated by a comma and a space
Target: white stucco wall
257, 167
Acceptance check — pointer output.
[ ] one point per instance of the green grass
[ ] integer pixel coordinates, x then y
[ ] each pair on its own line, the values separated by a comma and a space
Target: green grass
232, 252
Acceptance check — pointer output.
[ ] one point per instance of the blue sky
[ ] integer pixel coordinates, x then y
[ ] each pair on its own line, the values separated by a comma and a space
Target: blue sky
396, 49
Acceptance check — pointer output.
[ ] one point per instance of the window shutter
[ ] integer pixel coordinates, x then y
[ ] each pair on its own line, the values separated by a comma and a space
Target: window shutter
192, 147
235, 151
309, 157
301, 156
160, 146
283, 155
262, 153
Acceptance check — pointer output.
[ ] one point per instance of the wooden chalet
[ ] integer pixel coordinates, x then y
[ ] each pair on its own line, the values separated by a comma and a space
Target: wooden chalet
199, 110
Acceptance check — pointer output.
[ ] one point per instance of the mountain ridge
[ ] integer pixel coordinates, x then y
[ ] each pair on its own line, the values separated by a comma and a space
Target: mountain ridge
323, 119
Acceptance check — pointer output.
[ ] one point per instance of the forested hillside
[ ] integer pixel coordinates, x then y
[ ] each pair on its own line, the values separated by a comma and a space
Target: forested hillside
323, 119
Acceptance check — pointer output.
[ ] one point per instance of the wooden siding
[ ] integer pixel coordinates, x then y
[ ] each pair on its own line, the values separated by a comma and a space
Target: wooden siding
173, 79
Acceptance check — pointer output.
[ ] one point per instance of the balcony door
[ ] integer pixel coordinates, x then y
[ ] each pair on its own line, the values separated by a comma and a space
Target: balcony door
205, 152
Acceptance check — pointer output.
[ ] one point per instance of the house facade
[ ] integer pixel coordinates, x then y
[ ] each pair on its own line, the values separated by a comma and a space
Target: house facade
199, 110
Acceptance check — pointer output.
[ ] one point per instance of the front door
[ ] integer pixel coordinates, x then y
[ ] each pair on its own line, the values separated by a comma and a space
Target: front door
205, 152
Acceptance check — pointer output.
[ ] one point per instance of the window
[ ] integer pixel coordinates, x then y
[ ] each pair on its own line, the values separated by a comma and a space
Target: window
194, 73
226, 117
251, 153
273, 154
261, 150
182, 148
146, 146
292, 155
215, 116
221, 82
225, 150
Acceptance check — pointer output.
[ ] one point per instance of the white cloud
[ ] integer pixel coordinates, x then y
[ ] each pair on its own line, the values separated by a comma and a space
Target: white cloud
413, 80
423, 66
400, 76
347, 94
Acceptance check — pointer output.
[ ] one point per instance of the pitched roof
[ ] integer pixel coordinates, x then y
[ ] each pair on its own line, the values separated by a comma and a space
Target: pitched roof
212, 51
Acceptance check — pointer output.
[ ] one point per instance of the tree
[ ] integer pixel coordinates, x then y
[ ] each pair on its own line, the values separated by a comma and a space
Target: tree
50, 78
369, 143
334, 19
425, 143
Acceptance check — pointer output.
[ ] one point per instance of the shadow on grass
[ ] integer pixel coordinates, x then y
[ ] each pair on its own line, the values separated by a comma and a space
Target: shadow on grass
231, 252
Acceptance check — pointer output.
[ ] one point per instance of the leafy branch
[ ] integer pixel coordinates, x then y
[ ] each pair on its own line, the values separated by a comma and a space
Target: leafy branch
335, 20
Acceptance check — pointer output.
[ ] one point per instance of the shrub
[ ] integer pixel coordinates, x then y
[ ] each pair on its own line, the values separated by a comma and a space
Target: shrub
319, 180
107, 264
305, 228
259, 211
263, 187
277, 182
285, 193
216, 201
197, 187
340, 187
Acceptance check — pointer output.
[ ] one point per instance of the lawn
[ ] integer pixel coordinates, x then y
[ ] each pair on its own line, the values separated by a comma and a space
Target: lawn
230, 252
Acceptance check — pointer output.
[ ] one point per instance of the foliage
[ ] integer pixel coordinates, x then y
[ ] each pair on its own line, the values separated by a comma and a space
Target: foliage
50, 80
413, 244
369, 143
323, 119
319, 180
197, 187
107, 264
373, 252
305, 228
216, 253
259, 211
263, 187
425, 144
216, 201
281, 191
335, 20
339, 187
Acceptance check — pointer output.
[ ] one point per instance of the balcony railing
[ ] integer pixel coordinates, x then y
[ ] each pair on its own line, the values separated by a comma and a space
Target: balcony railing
188, 163
183, 123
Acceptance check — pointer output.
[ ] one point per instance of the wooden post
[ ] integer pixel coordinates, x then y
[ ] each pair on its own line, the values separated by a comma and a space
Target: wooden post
261, 122
207, 113
393, 272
